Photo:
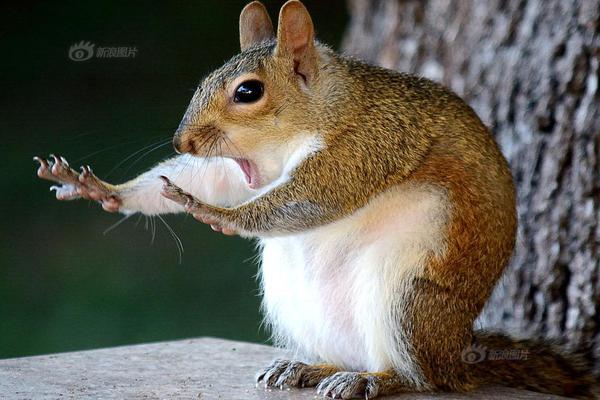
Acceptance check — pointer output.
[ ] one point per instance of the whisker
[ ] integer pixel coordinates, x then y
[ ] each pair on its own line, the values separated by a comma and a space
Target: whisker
204, 141
144, 155
84, 134
236, 149
208, 155
153, 228
174, 235
185, 166
224, 168
134, 154
125, 143
280, 109
103, 150
138, 220
196, 169
119, 222
194, 160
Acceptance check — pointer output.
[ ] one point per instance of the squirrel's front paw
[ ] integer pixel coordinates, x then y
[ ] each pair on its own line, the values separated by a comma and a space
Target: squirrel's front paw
294, 373
74, 185
193, 206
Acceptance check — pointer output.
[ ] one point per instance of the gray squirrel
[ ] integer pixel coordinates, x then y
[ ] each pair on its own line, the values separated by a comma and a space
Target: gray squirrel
384, 210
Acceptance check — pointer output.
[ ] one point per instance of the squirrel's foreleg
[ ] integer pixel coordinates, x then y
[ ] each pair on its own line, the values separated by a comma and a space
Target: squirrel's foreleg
276, 211
217, 181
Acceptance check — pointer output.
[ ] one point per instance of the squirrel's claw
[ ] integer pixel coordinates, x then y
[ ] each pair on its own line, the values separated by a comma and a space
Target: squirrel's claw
270, 375
61, 171
43, 170
56, 169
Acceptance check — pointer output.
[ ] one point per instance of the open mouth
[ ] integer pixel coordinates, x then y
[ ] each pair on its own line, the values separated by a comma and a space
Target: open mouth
249, 170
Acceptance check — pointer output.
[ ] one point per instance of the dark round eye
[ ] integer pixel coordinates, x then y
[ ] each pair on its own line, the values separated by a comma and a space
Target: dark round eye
248, 92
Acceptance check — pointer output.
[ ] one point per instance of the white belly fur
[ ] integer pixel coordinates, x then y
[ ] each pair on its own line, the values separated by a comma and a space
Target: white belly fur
329, 292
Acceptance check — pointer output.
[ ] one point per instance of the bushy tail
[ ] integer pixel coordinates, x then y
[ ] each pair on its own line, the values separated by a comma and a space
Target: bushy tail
540, 366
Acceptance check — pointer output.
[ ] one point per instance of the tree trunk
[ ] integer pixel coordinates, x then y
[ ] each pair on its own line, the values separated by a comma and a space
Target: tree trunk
530, 69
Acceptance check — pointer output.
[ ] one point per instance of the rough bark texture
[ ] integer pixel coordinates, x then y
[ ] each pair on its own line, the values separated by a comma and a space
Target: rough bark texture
530, 68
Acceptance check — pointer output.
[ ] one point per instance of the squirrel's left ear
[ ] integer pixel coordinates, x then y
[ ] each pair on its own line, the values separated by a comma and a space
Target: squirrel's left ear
255, 25
296, 38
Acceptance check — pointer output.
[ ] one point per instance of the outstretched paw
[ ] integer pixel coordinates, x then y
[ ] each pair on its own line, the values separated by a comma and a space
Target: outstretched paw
56, 169
75, 185
348, 385
294, 373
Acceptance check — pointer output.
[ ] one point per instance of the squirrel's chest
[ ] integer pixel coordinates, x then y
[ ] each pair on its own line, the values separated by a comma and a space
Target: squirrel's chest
329, 293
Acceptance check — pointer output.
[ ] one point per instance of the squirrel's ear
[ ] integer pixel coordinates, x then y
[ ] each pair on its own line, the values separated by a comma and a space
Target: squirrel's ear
255, 25
296, 37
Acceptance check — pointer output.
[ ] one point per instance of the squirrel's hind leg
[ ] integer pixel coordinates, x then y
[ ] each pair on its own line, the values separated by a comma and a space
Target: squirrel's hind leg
282, 373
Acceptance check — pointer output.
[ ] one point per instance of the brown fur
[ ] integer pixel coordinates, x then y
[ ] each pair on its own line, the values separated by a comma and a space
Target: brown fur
546, 366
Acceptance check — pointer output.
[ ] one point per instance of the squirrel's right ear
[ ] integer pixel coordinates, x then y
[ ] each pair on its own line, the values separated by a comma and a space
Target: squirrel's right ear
296, 38
255, 25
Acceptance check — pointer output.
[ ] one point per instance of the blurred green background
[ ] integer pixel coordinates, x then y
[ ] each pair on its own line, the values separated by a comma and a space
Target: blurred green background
64, 285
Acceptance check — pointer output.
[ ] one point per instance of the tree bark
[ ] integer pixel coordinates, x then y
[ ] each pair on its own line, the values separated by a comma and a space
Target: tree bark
530, 69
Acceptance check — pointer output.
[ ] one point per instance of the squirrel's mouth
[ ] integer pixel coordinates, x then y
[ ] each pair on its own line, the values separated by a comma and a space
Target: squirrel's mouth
250, 172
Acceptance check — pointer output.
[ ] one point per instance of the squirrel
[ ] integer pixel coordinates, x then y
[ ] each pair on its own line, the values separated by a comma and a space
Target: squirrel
384, 209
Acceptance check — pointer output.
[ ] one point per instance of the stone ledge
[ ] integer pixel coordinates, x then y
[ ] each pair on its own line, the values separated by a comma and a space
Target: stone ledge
204, 368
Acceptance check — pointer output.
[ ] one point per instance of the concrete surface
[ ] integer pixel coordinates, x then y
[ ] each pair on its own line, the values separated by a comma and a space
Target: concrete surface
198, 369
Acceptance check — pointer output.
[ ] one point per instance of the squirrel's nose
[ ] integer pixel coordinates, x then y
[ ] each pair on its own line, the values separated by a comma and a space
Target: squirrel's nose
183, 143
177, 143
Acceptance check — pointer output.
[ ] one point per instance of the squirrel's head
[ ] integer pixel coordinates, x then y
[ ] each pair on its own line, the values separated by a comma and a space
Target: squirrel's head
259, 108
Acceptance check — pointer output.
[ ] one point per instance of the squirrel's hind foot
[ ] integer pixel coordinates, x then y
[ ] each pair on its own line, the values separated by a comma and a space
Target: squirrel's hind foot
367, 385
329, 380
283, 373
349, 385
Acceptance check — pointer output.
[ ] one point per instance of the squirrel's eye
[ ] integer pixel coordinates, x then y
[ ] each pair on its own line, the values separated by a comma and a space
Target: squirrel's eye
248, 92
